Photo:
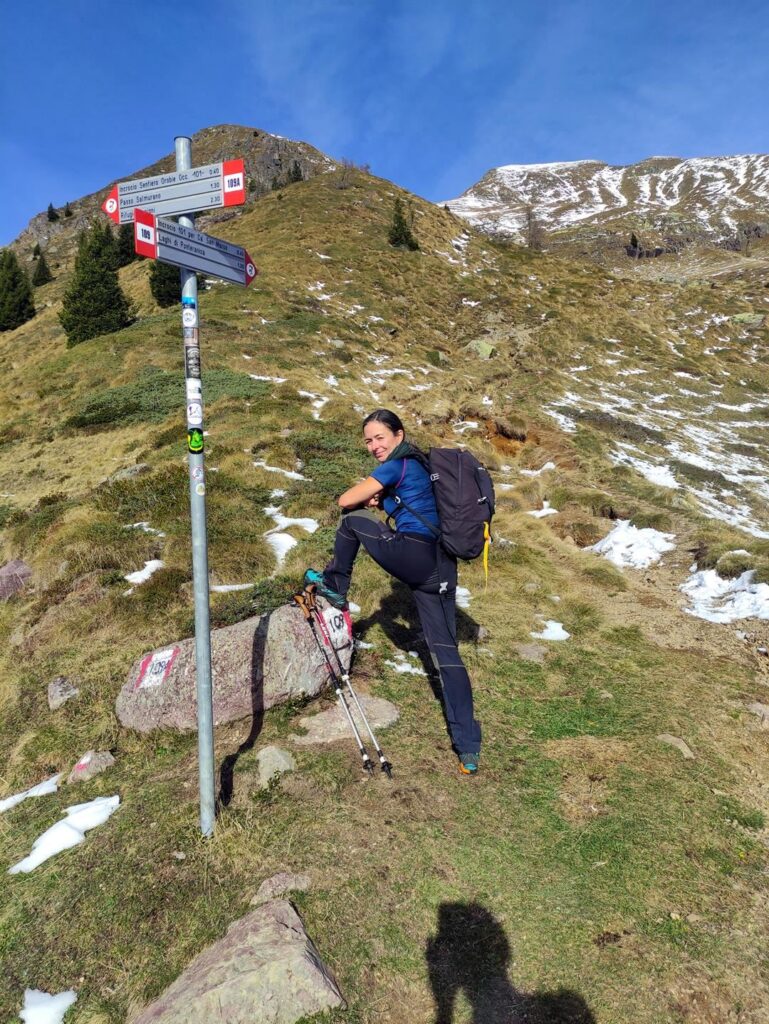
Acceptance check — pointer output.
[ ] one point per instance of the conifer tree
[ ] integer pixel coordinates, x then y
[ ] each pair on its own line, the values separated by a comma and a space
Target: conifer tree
94, 303
42, 274
401, 235
67, 211
36, 251
16, 305
165, 283
126, 250
52, 214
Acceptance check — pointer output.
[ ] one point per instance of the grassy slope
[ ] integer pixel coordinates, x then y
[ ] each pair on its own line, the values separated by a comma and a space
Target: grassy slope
615, 869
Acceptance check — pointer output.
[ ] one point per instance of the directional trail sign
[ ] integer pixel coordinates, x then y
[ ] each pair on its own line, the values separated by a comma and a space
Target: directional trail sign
165, 240
199, 188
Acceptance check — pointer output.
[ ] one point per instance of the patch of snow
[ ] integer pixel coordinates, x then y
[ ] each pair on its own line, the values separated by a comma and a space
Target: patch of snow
469, 302
662, 476
145, 528
546, 510
281, 544
41, 789
42, 1008
354, 608
553, 631
403, 666
564, 422
720, 600
627, 545
79, 819
463, 597
360, 645
226, 588
534, 472
283, 522
290, 473
275, 380
142, 575
462, 425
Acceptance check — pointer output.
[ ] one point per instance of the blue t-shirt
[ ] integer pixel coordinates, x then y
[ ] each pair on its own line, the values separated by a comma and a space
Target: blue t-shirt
412, 483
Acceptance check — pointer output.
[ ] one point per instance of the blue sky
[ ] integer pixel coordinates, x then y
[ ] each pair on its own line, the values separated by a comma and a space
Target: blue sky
430, 93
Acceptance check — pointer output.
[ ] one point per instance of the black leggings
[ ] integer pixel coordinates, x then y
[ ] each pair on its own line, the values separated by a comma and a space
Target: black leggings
431, 575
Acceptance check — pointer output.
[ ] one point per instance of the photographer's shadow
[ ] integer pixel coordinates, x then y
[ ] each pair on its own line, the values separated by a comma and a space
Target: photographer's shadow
470, 954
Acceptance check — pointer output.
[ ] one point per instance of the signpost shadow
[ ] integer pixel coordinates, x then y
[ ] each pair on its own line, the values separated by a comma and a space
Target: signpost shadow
227, 768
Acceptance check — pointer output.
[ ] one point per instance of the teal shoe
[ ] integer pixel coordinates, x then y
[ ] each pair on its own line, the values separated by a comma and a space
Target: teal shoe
314, 578
468, 763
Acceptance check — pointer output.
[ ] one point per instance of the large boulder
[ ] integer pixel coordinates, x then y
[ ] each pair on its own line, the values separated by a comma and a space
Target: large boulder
257, 663
14, 576
265, 970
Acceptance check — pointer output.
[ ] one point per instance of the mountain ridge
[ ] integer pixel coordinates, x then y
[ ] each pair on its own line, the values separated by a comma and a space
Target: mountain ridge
707, 196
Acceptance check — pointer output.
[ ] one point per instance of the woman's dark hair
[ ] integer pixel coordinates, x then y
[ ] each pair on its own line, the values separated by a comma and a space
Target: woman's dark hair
390, 419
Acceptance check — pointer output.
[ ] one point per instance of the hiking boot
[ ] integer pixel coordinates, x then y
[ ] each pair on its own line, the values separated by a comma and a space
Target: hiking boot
468, 763
315, 578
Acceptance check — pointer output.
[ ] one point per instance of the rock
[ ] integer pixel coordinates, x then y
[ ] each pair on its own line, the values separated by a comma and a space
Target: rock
332, 725
678, 743
749, 319
60, 690
762, 710
531, 587
93, 762
606, 695
13, 578
483, 349
273, 761
256, 664
531, 652
265, 970
279, 884
129, 472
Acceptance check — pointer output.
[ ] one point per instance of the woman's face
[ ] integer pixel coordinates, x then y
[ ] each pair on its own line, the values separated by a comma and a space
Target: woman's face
380, 440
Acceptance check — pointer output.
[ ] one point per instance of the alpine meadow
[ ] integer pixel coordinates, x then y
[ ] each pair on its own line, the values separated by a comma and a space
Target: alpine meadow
600, 345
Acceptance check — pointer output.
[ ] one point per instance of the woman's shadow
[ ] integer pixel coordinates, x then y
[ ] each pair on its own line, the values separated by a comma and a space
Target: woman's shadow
470, 954
397, 615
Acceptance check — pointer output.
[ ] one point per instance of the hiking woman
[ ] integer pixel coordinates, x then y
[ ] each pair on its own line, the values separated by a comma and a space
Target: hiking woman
411, 553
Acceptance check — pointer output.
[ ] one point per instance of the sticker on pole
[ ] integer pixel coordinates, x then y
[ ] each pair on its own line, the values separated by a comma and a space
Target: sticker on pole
155, 667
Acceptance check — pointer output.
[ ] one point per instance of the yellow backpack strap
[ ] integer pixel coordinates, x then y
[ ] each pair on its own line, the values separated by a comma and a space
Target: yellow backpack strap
486, 542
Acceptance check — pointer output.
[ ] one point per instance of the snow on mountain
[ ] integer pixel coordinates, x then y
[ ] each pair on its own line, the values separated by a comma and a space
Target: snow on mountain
713, 194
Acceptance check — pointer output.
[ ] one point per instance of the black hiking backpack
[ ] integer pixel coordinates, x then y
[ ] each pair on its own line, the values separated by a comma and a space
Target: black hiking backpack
464, 497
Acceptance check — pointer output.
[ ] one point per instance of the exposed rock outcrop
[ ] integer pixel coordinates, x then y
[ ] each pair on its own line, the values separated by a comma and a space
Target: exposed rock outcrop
265, 970
256, 664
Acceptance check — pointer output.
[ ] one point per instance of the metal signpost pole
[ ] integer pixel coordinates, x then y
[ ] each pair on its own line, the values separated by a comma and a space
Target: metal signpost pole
196, 460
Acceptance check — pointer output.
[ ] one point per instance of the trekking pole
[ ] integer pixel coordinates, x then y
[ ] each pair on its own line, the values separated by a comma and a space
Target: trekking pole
301, 601
384, 764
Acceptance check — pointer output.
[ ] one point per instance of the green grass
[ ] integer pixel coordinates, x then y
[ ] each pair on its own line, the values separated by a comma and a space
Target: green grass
612, 868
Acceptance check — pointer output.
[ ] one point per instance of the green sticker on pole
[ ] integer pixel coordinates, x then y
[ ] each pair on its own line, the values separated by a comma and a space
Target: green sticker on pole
195, 440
